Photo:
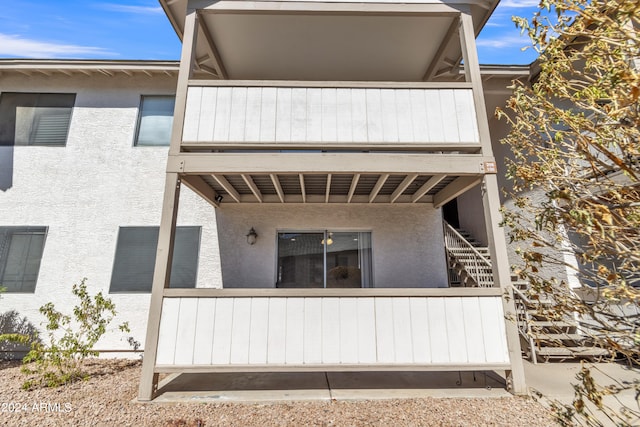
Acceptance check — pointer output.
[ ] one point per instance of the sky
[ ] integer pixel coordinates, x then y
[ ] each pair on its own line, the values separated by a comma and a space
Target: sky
139, 29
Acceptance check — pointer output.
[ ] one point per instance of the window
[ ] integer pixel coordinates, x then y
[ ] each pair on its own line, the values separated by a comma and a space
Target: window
35, 118
20, 254
155, 120
325, 259
136, 256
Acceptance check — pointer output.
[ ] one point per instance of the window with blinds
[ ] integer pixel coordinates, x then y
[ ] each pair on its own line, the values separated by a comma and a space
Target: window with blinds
136, 256
155, 120
35, 118
20, 254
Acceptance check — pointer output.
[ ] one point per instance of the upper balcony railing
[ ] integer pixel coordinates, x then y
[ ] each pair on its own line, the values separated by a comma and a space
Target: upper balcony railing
240, 115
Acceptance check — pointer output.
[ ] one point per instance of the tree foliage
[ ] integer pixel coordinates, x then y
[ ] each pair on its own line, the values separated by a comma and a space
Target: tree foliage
575, 170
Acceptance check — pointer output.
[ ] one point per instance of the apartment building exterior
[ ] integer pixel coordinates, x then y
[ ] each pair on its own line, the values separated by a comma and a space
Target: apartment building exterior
294, 165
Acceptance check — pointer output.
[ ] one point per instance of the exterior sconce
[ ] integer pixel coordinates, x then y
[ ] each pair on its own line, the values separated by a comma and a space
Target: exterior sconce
252, 237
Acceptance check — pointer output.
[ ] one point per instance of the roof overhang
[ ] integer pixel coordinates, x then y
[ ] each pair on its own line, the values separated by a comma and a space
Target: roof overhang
331, 40
71, 67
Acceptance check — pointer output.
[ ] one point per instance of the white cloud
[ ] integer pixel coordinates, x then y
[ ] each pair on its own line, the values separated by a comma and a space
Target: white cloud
15, 45
518, 3
141, 10
504, 42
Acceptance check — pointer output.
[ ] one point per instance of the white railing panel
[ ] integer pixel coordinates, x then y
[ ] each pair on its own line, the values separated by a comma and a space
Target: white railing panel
329, 115
185, 337
203, 336
259, 330
221, 331
298, 331
294, 351
240, 331
474, 335
456, 338
420, 330
277, 338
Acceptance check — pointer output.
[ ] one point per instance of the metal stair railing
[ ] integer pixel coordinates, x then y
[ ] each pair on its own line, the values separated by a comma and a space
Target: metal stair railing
523, 320
472, 261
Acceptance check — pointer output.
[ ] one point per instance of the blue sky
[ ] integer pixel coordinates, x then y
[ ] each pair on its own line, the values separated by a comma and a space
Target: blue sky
138, 29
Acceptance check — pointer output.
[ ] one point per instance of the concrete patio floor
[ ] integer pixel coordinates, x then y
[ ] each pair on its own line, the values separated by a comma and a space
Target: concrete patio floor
274, 387
551, 379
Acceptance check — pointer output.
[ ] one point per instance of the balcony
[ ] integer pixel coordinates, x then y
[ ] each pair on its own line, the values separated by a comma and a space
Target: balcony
222, 330
422, 117
295, 142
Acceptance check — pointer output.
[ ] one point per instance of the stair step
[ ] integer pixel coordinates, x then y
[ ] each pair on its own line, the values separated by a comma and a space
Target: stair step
571, 351
549, 324
559, 337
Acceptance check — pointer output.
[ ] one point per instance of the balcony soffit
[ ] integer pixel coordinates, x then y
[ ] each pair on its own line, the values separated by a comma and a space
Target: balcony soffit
381, 41
365, 188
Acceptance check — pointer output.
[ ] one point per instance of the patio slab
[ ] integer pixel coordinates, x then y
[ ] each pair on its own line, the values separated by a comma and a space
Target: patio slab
277, 387
553, 380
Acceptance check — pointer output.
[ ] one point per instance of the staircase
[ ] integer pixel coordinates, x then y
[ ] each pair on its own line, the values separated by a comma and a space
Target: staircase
469, 262
543, 336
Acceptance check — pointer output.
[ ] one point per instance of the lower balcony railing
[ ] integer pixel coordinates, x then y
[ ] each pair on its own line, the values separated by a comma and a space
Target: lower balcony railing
331, 329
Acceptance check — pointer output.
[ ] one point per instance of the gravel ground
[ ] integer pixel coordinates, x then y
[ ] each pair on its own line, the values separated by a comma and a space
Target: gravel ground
106, 399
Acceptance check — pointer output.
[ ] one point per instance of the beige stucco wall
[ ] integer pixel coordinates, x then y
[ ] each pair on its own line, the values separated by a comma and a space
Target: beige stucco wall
407, 240
85, 191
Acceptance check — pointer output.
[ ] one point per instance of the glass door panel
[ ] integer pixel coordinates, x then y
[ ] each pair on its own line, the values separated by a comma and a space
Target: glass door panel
327, 259
300, 260
343, 266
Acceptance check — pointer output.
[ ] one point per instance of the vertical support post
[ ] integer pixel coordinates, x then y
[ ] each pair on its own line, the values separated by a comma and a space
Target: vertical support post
164, 254
161, 276
472, 75
502, 276
491, 204
187, 62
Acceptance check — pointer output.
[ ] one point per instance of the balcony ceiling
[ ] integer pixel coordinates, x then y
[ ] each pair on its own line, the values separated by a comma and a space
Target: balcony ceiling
366, 188
385, 41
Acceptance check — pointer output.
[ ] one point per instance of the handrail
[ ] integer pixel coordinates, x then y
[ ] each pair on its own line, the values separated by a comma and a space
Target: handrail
524, 329
469, 245
521, 295
455, 242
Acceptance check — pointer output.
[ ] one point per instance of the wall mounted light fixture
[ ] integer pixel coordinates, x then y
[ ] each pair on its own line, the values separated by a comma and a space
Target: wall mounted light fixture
252, 237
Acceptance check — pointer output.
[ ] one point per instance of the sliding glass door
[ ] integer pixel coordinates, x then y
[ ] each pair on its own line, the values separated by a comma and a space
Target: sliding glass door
327, 259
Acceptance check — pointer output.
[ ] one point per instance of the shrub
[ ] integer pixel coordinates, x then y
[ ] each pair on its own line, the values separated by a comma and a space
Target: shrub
71, 340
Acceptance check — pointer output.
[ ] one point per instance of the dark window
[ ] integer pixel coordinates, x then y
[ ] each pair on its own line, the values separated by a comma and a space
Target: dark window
35, 118
136, 256
20, 254
155, 120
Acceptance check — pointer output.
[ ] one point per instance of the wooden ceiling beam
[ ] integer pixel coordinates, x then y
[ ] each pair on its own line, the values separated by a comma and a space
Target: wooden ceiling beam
376, 188
424, 189
456, 188
253, 187
278, 187
302, 189
403, 186
352, 188
226, 185
201, 188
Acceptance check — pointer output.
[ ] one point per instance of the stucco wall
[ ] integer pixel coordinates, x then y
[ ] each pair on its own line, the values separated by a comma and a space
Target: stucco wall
407, 240
85, 191
471, 214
